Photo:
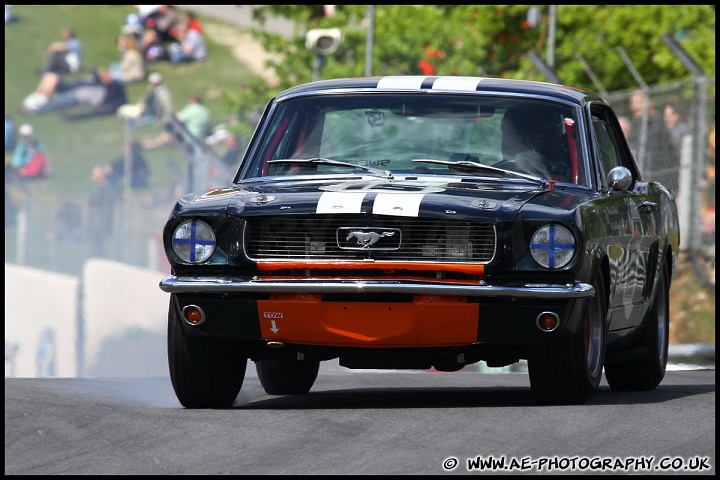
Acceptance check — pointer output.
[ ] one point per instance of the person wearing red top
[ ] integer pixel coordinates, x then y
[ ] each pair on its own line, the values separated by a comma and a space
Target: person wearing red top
192, 22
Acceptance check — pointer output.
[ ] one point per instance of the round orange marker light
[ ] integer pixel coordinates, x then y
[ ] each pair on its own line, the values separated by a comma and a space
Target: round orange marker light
547, 321
193, 315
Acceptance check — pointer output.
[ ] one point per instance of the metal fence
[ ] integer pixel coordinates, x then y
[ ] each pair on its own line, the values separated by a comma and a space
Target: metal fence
139, 215
688, 167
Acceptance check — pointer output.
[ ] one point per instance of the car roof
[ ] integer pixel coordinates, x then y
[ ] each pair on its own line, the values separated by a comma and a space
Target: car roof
428, 84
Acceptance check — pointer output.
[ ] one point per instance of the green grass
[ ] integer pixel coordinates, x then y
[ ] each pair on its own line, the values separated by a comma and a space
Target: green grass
75, 148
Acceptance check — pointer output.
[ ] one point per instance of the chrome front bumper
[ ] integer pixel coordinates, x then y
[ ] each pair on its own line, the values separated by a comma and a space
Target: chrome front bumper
175, 284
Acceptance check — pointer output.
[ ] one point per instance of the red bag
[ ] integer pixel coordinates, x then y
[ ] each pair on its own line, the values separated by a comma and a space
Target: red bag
38, 166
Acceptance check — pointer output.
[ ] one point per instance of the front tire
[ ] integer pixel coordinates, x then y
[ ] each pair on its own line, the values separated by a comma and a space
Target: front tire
287, 376
646, 370
569, 371
205, 372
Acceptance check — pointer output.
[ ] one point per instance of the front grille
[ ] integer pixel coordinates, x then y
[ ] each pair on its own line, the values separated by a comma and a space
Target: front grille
320, 237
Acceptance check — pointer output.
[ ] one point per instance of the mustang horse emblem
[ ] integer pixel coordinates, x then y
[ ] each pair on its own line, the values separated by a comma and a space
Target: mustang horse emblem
368, 238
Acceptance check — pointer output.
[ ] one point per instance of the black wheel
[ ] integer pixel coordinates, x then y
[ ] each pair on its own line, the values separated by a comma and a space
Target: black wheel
205, 373
287, 376
569, 371
646, 368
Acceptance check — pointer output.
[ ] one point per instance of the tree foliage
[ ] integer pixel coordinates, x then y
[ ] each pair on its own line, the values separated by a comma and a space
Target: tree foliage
494, 40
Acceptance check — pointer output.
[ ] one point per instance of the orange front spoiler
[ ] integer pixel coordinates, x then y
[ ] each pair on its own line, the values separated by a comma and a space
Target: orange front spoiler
427, 321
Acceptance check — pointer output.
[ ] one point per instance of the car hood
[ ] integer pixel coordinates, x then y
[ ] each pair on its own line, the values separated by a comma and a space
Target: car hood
439, 197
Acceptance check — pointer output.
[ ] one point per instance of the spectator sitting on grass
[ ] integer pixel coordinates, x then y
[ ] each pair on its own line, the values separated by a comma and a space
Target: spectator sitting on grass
192, 22
131, 67
155, 106
30, 158
228, 136
64, 57
191, 44
164, 21
101, 93
196, 118
154, 50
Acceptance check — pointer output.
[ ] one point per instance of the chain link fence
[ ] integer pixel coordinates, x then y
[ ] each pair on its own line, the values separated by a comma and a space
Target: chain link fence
672, 133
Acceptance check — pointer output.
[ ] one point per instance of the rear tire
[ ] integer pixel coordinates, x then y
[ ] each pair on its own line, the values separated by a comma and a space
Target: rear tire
205, 373
287, 376
569, 371
646, 371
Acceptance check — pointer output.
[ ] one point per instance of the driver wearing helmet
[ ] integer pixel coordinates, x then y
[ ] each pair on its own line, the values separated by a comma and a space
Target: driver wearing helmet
528, 135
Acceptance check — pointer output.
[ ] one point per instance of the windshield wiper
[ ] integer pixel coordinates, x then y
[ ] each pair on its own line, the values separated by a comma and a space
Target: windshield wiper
326, 161
480, 166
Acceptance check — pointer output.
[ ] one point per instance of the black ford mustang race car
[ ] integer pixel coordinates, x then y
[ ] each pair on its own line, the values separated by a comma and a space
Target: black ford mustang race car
418, 222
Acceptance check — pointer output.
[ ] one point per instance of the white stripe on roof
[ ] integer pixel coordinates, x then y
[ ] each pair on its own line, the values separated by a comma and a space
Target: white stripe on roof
404, 83
457, 83
413, 82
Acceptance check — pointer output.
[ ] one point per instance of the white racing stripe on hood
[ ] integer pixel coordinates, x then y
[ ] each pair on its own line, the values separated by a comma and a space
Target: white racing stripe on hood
398, 204
340, 202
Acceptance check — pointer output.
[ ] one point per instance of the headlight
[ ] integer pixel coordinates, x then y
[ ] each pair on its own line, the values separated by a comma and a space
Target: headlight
552, 246
193, 241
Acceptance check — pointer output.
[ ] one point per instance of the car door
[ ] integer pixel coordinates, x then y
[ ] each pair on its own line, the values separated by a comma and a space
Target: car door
632, 245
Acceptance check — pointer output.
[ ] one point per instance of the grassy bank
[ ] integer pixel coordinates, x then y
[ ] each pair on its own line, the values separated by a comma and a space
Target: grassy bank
76, 147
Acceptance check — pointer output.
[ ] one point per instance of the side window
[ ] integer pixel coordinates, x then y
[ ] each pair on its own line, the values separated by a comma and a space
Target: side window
610, 145
607, 156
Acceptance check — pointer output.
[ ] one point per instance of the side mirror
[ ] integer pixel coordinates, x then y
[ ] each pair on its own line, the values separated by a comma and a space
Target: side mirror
619, 178
323, 41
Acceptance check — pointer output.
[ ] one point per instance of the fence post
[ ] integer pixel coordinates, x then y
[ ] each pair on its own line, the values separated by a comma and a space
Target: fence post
21, 242
699, 164
685, 192
124, 222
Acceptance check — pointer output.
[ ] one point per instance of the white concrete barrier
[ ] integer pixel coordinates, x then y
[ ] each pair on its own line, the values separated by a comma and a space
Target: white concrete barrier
113, 323
125, 316
40, 323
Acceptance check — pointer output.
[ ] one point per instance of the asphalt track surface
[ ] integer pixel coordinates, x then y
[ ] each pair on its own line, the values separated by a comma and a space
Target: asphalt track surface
357, 422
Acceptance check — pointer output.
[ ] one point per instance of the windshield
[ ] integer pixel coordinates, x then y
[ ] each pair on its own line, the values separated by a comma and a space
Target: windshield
401, 134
